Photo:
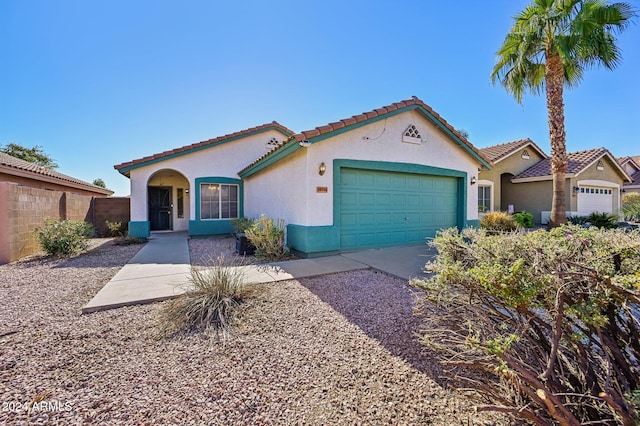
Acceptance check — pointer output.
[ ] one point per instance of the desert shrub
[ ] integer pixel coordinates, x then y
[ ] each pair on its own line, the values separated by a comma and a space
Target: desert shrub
267, 235
497, 222
116, 229
599, 220
64, 237
631, 206
524, 219
209, 302
543, 325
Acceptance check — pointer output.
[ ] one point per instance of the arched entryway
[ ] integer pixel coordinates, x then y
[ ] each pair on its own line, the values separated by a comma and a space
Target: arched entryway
168, 201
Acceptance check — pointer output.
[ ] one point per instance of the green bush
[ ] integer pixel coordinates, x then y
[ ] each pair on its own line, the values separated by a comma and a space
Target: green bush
116, 229
631, 206
543, 325
210, 301
64, 237
267, 236
498, 222
242, 224
599, 220
524, 219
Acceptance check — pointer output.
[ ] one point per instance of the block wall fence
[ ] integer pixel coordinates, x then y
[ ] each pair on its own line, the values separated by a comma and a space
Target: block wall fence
24, 208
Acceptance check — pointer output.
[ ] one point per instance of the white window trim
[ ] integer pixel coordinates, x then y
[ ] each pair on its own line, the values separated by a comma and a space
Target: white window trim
483, 182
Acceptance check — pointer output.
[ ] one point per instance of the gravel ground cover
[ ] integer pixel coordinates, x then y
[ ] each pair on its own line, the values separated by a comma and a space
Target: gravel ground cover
338, 349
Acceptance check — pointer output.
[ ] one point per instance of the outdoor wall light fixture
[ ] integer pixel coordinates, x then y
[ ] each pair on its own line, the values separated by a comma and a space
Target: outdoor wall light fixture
322, 168
576, 189
473, 180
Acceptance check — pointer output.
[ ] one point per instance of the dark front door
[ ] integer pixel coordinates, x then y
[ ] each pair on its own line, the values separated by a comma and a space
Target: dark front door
159, 208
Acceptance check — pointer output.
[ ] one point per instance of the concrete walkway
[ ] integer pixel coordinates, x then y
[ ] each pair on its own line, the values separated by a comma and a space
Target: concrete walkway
160, 270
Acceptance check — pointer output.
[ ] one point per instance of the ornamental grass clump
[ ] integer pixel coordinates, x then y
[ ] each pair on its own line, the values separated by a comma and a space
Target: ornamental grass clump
543, 325
267, 235
210, 302
64, 237
498, 222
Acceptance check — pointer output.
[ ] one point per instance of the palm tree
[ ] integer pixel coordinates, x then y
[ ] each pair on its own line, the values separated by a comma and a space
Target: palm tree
551, 44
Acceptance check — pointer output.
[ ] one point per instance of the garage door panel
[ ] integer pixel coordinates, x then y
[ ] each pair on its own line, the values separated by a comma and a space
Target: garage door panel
594, 199
399, 200
383, 200
389, 208
349, 219
383, 219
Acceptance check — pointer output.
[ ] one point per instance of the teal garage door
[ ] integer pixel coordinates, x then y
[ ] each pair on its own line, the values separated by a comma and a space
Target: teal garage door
381, 208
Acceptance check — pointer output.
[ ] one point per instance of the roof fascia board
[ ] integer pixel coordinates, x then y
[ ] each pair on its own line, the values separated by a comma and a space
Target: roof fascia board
276, 156
53, 180
538, 150
540, 178
284, 151
454, 137
617, 165
125, 170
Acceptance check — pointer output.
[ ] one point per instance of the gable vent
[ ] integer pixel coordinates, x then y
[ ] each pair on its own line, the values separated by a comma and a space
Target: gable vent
412, 135
600, 165
272, 143
525, 155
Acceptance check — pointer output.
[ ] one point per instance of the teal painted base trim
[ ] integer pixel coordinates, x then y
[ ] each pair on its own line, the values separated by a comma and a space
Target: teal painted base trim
210, 227
474, 223
310, 240
302, 255
140, 229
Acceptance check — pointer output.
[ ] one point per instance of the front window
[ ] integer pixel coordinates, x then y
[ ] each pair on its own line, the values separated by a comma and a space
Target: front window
218, 201
484, 199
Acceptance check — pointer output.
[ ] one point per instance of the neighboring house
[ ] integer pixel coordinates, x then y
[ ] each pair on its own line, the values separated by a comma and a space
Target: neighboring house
508, 159
22, 172
631, 165
594, 184
391, 176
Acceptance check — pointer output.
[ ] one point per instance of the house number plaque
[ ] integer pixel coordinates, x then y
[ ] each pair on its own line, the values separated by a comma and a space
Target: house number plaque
322, 189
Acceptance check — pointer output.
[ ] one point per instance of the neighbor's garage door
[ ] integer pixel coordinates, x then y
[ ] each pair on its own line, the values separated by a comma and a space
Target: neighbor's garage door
594, 199
380, 208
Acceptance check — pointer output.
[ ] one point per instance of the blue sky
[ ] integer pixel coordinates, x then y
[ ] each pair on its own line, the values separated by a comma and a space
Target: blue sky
101, 83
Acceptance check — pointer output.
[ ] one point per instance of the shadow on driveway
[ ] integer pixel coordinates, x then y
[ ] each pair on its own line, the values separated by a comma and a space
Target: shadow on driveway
382, 307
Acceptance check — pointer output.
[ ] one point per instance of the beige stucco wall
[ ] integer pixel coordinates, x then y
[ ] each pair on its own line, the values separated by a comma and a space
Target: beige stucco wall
289, 186
533, 197
609, 177
536, 197
514, 164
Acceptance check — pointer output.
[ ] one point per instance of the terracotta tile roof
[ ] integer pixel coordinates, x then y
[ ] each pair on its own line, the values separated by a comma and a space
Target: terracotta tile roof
577, 163
10, 163
623, 160
499, 152
365, 116
203, 144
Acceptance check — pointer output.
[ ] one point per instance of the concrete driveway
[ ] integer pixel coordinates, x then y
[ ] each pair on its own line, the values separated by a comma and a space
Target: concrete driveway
404, 262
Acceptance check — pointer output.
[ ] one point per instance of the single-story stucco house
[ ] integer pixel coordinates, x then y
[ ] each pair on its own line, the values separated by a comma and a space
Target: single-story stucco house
631, 165
508, 160
391, 176
594, 181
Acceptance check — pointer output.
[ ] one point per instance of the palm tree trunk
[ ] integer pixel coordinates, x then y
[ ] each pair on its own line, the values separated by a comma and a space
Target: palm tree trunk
554, 78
